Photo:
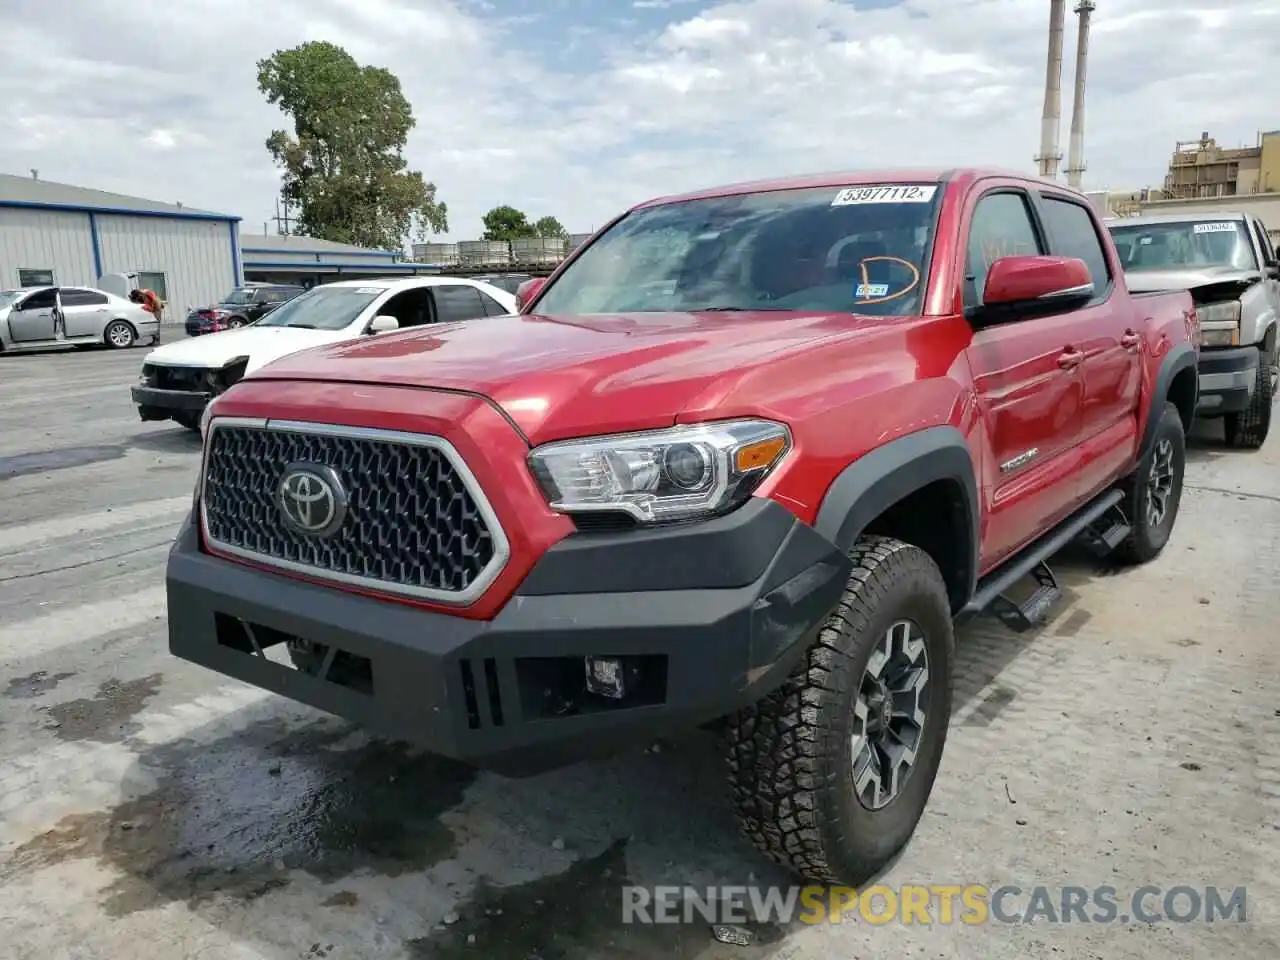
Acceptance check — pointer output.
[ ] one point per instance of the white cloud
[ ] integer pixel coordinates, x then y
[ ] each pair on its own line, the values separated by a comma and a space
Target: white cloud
580, 120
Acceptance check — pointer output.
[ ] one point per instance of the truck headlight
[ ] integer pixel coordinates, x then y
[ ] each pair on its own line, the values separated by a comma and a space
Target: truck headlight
681, 473
1219, 323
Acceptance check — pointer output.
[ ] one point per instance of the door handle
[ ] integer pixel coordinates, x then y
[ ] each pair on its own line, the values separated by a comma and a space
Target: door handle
1130, 340
1070, 358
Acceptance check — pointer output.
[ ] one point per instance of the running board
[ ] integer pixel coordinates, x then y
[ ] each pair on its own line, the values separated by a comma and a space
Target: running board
1032, 560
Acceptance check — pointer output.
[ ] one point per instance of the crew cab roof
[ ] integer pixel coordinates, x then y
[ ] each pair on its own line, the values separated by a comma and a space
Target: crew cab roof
849, 178
1187, 216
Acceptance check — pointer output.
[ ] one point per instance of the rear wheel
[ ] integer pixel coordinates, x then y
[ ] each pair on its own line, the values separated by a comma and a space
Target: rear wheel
831, 772
236, 322
120, 334
1250, 428
1153, 491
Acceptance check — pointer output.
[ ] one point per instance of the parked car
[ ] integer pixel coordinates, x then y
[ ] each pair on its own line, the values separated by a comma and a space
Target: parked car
242, 306
1227, 263
179, 378
742, 461
37, 318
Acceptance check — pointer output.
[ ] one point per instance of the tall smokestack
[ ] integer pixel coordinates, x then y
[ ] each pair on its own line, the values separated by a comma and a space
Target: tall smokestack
1075, 153
1049, 153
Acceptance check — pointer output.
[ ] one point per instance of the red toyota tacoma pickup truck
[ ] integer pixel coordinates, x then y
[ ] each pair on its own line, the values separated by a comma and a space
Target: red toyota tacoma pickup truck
742, 461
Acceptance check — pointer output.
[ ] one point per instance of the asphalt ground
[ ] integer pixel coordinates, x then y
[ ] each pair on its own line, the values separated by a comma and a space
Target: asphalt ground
149, 808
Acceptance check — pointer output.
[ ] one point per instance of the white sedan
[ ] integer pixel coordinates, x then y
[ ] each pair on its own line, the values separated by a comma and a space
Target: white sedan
179, 379
37, 318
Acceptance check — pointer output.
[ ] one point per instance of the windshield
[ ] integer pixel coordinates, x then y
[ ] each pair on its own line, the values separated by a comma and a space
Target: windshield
1185, 244
323, 308
826, 249
8, 296
239, 295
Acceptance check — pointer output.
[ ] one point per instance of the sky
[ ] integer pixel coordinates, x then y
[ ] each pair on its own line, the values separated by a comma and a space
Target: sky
580, 108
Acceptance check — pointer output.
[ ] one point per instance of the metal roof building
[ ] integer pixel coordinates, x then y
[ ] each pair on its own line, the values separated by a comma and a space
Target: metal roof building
58, 233
294, 259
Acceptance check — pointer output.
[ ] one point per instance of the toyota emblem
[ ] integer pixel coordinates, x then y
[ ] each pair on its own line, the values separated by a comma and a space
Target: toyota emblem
312, 499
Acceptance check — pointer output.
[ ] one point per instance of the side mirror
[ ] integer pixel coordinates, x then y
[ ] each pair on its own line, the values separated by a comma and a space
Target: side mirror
527, 291
384, 323
1036, 285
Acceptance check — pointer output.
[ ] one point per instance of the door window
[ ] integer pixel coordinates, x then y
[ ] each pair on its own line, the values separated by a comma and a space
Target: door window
35, 278
1268, 252
492, 307
1001, 227
457, 301
1073, 234
41, 300
71, 297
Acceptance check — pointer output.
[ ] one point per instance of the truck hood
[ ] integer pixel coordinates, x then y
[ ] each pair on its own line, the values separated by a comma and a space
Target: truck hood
260, 344
1188, 278
565, 377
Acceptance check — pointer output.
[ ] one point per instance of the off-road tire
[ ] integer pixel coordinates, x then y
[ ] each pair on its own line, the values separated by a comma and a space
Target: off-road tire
789, 755
1146, 540
1250, 428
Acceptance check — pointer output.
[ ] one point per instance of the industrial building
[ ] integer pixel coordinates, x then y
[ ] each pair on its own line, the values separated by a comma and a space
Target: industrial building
1200, 169
56, 233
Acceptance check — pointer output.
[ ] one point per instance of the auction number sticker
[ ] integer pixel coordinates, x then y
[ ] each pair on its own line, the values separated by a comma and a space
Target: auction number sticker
1227, 227
899, 193
364, 290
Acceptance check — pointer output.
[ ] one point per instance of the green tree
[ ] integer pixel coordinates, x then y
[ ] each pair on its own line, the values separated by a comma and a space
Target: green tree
344, 164
551, 227
506, 223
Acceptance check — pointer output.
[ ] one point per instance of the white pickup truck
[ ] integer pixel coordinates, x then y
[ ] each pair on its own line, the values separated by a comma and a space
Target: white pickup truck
180, 378
1227, 263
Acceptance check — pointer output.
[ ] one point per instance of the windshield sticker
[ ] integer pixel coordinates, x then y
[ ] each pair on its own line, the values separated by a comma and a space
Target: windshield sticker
871, 290
1227, 227
1146, 241
902, 193
370, 290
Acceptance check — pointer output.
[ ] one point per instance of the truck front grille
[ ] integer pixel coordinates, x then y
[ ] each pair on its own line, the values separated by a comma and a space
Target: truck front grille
190, 379
410, 520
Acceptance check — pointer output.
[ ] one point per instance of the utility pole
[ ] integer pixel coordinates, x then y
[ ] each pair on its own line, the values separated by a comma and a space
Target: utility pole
282, 218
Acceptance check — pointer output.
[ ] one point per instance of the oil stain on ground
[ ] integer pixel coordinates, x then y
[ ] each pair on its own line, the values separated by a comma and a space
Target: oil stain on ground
575, 915
106, 717
46, 461
231, 818
34, 685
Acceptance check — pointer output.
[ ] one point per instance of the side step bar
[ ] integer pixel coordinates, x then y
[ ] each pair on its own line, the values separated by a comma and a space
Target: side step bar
1032, 560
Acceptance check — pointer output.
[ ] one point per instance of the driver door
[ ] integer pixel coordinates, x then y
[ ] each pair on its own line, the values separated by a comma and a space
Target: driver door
33, 319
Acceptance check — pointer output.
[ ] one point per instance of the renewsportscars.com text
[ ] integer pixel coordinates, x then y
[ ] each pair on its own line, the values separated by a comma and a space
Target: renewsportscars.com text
969, 904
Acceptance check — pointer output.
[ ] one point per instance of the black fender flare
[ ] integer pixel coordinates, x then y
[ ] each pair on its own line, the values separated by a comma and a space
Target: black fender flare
873, 483
1181, 357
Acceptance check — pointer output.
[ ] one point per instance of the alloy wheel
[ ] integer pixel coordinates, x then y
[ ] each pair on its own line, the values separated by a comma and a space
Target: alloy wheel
1159, 483
889, 715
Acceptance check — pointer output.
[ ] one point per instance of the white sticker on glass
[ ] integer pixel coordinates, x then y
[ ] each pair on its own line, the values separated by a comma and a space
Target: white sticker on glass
885, 193
1227, 227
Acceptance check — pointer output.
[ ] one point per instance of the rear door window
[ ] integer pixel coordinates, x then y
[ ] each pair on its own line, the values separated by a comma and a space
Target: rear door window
457, 302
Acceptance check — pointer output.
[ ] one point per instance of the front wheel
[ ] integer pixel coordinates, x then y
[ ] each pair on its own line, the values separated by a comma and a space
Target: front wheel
120, 334
235, 323
189, 420
831, 772
1250, 428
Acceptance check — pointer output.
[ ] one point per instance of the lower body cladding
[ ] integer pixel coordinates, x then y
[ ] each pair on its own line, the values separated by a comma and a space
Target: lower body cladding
1228, 378
612, 639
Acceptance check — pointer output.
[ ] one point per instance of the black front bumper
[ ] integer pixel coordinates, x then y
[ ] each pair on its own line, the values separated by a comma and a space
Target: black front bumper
157, 404
707, 617
1228, 377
